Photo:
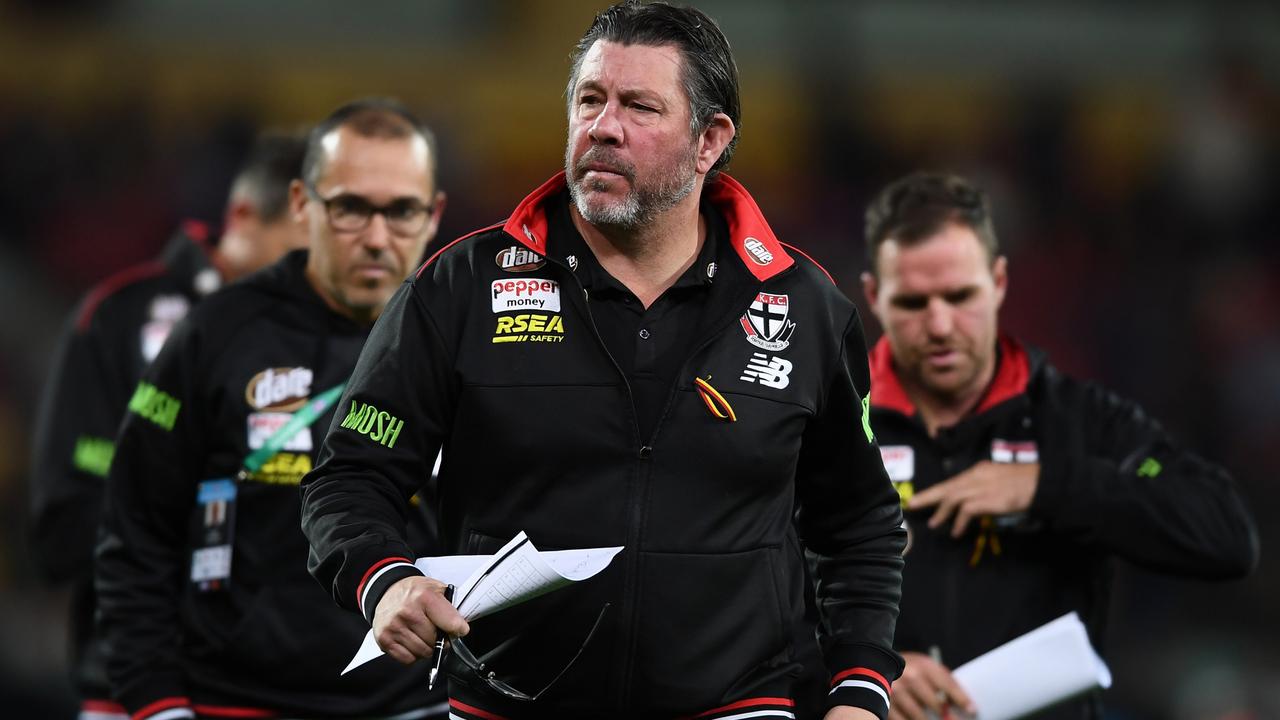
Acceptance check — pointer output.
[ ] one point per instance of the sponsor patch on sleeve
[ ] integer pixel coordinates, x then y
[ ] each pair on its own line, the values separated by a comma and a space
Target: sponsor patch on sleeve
155, 405
378, 425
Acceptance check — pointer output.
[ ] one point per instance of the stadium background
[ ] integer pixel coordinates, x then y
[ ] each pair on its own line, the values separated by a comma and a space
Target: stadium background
1132, 149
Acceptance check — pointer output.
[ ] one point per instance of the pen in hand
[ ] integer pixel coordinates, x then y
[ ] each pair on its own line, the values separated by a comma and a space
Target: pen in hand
935, 654
439, 649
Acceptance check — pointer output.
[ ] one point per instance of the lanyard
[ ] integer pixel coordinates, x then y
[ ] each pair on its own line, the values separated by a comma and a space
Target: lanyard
305, 415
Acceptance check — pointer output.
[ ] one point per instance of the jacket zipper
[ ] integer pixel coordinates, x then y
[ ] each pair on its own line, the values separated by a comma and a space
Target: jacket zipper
639, 481
635, 487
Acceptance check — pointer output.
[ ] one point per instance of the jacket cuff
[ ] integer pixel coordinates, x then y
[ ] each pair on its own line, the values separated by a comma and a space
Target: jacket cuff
169, 708
380, 576
862, 676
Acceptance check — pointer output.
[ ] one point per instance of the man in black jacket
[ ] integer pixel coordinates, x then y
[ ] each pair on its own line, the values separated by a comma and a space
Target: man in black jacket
205, 601
632, 359
115, 332
1019, 484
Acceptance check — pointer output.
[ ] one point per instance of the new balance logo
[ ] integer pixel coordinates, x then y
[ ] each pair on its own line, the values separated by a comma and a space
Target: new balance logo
770, 372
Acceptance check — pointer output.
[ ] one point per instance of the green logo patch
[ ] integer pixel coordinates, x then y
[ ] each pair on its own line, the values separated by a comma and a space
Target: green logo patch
866, 418
1150, 467
93, 455
379, 426
155, 405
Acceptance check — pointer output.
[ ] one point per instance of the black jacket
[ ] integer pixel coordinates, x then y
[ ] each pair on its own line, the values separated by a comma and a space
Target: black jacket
271, 641
115, 332
491, 352
1111, 484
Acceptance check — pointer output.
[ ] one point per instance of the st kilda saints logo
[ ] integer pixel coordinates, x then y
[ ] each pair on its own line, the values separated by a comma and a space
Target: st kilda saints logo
765, 322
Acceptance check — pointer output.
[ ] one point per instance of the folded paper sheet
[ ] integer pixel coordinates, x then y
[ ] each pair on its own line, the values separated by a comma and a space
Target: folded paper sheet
1047, 665
488, 583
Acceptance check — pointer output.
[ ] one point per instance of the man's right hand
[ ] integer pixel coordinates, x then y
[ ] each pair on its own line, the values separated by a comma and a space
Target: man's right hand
410, 614
926, 685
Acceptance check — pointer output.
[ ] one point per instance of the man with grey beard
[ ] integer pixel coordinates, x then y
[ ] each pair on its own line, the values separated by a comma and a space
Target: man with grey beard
632, 359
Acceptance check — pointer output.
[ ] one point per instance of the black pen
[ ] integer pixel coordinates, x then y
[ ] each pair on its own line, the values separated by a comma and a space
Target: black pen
435, 669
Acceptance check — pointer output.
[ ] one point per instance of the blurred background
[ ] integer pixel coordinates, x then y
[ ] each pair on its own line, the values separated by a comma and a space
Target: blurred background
1132, 149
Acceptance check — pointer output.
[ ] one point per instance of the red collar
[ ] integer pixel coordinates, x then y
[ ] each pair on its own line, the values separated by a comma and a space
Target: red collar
749, 233
1010, 381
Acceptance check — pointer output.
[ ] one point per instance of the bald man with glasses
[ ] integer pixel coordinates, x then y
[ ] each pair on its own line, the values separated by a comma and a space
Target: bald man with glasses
201, 566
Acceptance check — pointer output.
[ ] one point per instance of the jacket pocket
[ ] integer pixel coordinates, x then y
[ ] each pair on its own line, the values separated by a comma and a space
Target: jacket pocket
710, 625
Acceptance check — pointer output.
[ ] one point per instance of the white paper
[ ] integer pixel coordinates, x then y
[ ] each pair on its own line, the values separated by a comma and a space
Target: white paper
1049, 664
518, 573
488, 583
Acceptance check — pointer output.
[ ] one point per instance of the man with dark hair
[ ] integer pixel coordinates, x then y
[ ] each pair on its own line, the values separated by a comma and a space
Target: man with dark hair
632, 359
1019, 484
201, 568
116, 331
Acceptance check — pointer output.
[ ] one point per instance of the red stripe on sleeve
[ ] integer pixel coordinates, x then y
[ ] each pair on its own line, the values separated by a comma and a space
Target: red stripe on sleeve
868, 672
233, 712
474, 710
752, 702
373, 569
165, 704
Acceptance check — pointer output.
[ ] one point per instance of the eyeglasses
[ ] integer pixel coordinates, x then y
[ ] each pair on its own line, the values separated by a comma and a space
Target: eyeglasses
489, 677
352, 213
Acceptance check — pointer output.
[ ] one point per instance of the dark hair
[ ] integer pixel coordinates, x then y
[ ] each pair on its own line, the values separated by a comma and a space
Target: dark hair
372, 117
708, 73
273, 162
917, 206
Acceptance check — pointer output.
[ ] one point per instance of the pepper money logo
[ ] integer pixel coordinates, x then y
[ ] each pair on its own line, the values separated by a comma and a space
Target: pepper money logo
530, 294
519, 259
279, 389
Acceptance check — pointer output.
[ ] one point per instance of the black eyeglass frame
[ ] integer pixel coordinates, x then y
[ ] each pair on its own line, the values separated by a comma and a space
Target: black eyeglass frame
395, 226
489, 677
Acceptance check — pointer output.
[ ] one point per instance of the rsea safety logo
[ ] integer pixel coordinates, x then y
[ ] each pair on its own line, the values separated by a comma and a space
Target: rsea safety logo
284, 468
529, 327
279, 389
519, 259
377, 425
526, 294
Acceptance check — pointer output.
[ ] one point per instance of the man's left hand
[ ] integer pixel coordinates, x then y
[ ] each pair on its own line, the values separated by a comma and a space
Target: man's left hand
987, 488
846, 712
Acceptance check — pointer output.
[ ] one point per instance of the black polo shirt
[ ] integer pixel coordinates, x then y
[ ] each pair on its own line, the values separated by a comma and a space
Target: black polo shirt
650, 344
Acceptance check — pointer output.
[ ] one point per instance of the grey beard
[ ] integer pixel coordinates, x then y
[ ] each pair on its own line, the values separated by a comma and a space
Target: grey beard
639, 208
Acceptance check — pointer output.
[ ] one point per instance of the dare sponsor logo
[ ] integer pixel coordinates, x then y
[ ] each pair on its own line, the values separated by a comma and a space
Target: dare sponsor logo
279, 389
526, 294
519, 259
529, 327
756, 250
